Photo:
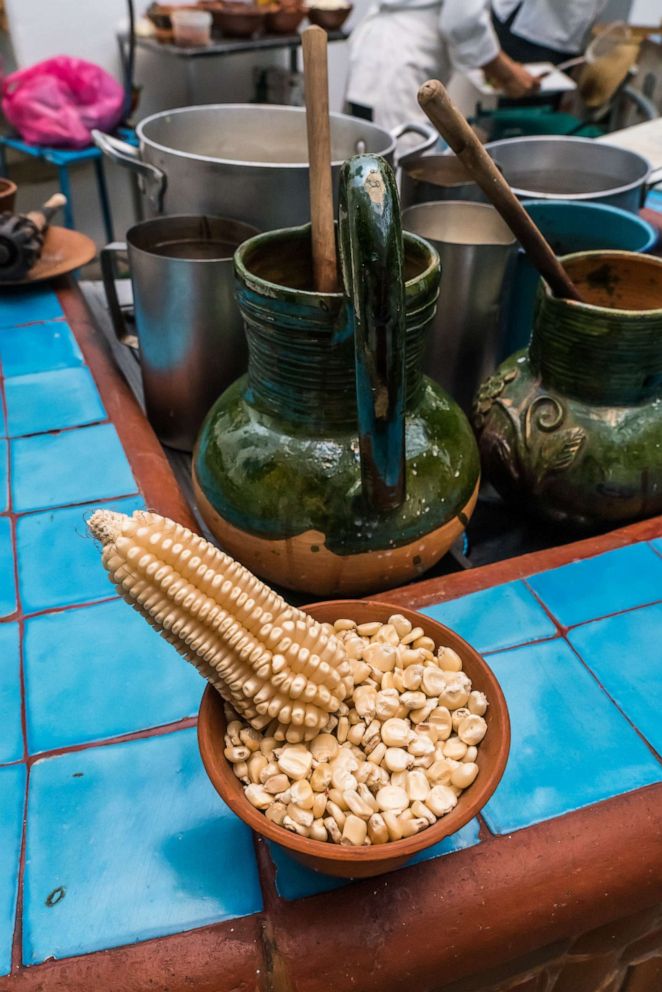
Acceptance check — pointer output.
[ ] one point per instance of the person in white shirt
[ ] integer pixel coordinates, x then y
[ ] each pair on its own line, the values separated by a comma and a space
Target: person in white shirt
401, 43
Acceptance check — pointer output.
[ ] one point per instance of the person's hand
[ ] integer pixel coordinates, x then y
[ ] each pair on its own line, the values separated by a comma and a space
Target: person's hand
510, 77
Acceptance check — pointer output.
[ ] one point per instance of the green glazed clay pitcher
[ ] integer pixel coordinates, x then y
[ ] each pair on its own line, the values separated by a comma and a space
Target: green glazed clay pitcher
334, 466
571, 428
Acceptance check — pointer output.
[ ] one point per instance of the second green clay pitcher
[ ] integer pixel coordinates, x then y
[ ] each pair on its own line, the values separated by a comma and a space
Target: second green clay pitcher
335, 466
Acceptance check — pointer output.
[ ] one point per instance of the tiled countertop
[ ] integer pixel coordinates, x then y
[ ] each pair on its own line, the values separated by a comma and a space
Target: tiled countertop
110, 833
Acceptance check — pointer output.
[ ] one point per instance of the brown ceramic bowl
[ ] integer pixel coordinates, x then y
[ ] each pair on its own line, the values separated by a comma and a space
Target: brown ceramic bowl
283, 19
237, 20
331, 19
7, 196
361, 862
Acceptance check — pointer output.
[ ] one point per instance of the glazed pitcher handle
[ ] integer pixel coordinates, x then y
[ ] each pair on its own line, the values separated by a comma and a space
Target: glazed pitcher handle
371, 252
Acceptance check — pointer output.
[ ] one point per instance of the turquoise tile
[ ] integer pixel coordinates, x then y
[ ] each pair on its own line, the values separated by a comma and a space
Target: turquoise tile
73, 467
496, 618
52, 401
11, 733
99, 672
295, 881
128, 842
657, 545
3, 425
19, 305
7, 584
4, 476
570, 745
12, 801
38, 348
595, 587
59, 564
624, 653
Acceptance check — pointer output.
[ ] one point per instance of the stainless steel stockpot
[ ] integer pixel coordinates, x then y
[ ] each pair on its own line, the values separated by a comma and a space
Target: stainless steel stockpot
564, 168
244, 161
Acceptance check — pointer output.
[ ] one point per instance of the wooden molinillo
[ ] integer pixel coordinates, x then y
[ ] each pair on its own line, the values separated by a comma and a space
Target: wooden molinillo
22, 238
453, 126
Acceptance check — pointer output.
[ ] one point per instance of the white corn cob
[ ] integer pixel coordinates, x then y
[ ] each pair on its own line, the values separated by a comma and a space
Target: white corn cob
269, 660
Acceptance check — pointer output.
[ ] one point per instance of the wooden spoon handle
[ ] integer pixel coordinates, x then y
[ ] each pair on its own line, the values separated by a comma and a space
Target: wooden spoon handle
314, 40
41, 218
453, 127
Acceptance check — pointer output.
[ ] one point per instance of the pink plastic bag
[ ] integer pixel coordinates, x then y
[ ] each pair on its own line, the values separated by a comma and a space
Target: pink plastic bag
58, 102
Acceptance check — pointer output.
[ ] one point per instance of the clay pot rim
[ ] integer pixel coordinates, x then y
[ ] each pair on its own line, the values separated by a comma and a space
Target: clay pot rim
270, 288
7, 187
470, 803
653, 312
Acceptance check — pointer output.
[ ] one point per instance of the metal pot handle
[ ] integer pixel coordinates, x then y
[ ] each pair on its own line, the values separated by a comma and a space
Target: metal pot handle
426, 132
371, 253
151, 180
107, 258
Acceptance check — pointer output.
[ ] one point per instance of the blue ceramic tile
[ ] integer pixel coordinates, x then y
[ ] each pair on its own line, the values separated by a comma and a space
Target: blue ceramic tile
596, 587
73, 467
624, 653
25, 306
12, 800
7, 584
100, 672
38, 348
59, 562
657, 545
4, 477
570, 745
128, 842
11, 733
51, 401
500, 617
3, 426
295, 881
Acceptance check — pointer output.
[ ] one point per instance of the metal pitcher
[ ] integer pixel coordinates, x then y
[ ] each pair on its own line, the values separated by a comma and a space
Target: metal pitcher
190, 333
475, 246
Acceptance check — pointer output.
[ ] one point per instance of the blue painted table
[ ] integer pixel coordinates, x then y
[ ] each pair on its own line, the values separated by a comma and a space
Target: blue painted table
111, 835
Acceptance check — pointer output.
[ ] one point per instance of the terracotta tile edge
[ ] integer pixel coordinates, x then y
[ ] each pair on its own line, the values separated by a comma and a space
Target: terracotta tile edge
458, 584
461, 914
225, 957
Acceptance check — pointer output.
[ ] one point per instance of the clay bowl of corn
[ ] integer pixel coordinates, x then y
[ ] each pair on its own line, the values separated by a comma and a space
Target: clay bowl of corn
350, 733
343, 852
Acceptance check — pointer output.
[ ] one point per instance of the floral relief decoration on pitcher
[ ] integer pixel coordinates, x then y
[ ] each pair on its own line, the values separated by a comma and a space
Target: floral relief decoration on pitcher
535, 443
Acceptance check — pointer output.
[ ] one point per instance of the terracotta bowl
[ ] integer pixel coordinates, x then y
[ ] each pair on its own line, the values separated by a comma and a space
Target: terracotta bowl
329, 19
284, 19
7, 196
361, 862
237, 20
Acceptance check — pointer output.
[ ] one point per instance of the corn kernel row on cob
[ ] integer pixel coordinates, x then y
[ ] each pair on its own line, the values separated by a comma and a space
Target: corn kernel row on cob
269, 660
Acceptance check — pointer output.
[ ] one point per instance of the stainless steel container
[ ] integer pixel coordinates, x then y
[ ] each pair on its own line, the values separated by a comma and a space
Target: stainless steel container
245, 161
475, 246
562, 168
189, 330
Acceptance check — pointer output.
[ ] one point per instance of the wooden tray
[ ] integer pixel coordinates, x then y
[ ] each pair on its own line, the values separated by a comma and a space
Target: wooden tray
64, 251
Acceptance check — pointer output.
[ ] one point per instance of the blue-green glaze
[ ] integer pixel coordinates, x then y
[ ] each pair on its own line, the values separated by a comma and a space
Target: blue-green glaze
279, 453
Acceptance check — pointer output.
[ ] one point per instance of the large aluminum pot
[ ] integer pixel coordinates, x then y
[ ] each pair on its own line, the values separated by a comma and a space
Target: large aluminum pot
243, 161
561, 168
